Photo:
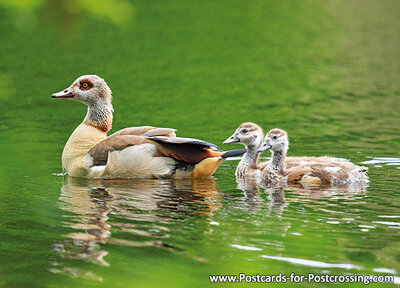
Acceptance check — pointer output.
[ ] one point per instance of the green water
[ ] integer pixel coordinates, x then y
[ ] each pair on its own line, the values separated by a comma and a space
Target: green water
328, 72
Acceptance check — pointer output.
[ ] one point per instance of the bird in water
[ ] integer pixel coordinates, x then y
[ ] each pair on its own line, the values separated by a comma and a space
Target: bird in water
306, 170
251, 136
134, 152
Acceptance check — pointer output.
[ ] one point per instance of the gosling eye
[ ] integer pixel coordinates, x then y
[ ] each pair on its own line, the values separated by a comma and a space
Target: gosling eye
244, 131
274, 137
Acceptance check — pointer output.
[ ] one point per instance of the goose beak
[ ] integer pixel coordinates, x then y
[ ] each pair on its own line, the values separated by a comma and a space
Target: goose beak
231, 140
67, 93
264, 147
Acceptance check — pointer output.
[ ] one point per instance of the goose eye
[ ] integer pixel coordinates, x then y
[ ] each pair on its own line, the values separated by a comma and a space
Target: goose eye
85, 85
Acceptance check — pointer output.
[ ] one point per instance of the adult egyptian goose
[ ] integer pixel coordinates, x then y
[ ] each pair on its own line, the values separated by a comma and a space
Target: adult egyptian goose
306, 170
135, 152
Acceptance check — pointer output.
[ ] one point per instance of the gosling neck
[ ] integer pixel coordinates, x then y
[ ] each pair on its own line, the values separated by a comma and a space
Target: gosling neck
277, 159
250, 158
100, 115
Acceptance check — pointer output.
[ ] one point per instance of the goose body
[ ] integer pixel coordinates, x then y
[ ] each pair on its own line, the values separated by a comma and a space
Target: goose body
306, 170
135, 152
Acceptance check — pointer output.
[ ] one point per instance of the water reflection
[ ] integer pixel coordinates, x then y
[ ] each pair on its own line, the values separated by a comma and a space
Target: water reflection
331, 191
250, 187
309, 195
150, 213
147, 209
88, 207
252, 195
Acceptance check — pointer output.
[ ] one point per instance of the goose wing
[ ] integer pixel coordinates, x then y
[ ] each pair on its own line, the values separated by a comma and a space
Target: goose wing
115, 142
186, 150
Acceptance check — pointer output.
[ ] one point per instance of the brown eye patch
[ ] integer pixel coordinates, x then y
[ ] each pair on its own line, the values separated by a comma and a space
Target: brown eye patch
85, 84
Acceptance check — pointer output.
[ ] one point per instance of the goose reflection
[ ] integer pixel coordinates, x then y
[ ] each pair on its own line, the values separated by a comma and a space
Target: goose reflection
249, 186
276, 192
146, 208
252, 200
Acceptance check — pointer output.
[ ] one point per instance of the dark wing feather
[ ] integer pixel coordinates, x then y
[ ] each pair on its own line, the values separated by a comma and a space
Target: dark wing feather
187, 150
181, 140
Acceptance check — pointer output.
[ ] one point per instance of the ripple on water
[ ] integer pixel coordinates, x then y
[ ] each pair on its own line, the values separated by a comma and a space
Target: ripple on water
384, 270
379, 161
312, 263
248, 248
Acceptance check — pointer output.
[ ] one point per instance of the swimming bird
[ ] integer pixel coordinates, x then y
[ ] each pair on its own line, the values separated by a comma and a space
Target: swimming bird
134, 152
306, 170
251, 135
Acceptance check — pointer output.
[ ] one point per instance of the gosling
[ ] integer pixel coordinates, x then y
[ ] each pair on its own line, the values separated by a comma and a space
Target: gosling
306, 170
251, 135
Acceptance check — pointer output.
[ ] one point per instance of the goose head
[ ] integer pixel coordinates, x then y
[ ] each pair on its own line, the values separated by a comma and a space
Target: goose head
248, 133
275, 140
88, 89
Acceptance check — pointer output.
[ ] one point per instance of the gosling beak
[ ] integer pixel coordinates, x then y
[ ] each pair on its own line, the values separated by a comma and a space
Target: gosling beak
231, 140
264, 147
67, 93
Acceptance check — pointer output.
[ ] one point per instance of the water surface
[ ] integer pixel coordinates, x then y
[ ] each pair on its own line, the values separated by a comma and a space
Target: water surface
327, 72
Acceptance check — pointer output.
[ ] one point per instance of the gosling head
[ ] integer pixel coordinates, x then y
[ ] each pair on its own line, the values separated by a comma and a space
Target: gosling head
275, 140
248, 133
88, 89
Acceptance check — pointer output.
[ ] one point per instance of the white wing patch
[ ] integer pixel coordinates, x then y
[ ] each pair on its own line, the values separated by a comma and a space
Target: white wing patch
135, 162
332, 169
96, 171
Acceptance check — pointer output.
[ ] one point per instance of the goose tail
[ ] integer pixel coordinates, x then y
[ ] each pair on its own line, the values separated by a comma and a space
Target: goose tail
208, 166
